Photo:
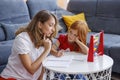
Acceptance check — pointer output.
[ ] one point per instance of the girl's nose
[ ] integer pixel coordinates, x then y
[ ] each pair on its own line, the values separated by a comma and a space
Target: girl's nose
72, 35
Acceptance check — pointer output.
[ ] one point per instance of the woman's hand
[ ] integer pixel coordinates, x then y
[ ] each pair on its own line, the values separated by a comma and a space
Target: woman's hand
47, 43
60, 53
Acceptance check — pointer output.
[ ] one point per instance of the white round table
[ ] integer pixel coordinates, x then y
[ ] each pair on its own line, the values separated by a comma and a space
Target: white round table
100, 69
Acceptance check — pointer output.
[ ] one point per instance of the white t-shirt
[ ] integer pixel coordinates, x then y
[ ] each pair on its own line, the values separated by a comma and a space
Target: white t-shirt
22, 45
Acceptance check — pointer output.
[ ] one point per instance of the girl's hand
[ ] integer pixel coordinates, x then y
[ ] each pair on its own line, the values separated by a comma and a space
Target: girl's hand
77, 40
67, 50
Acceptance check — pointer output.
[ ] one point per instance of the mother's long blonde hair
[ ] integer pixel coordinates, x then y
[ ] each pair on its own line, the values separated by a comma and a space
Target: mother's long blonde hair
82, 28
34, 31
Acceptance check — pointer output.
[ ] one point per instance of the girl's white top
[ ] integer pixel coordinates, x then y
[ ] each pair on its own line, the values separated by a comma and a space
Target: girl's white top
15, 69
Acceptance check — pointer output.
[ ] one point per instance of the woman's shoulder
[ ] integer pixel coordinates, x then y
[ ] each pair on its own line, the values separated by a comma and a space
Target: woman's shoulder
23, 35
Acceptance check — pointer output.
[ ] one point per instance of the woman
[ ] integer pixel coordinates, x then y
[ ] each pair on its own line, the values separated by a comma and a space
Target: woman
31, 45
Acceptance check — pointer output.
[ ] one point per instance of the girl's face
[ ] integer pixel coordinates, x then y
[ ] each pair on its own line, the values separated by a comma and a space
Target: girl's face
48, 27
72, 35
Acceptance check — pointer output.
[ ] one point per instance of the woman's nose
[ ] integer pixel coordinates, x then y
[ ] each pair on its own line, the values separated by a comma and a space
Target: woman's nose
53, 29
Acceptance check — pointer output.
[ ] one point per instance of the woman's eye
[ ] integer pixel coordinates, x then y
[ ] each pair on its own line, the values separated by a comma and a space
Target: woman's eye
50, 25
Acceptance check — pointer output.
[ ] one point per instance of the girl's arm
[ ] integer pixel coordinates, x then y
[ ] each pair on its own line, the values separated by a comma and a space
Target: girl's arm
84, 48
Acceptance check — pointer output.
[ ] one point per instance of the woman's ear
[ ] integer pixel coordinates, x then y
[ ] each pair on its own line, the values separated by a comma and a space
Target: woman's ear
39, 24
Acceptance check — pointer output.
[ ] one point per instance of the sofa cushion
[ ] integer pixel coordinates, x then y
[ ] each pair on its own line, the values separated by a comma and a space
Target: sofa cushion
5, 51
107, 16
59, 12
61, 22
37, 5
86, 6
114, 50
115, 55
109, 25
71, 19
2, 67
2, 34
10, 29
13, 11
59, 27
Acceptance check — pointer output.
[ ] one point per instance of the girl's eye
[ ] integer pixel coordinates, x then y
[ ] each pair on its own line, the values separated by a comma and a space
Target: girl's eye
70, 32
75, 35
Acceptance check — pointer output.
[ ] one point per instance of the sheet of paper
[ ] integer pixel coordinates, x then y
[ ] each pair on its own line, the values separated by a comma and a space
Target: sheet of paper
77, 56
80, 58
63, 61
62, 58
60, 64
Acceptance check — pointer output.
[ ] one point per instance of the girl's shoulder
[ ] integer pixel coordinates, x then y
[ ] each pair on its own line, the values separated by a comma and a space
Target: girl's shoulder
62, 37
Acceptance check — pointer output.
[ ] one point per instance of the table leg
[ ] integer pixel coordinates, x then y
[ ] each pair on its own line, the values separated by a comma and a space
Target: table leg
102, 75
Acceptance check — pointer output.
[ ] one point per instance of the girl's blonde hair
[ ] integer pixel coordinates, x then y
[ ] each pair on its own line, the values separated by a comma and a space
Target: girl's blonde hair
32, 28
82, 28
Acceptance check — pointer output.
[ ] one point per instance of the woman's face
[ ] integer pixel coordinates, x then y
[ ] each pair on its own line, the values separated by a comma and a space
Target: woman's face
48, 27
72, 35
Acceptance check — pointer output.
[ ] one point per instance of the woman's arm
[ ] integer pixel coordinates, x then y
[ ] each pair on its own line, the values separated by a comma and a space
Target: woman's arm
32, 67
54, 50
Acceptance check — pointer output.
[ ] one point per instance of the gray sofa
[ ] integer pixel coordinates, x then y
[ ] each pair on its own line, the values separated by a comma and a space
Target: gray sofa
16, 13
102, 15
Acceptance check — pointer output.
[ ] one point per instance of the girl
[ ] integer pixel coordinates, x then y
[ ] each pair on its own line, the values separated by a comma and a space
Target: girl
74, 40
31, 45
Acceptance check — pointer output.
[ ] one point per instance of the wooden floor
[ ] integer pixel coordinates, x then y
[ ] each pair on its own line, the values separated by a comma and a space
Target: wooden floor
115, 76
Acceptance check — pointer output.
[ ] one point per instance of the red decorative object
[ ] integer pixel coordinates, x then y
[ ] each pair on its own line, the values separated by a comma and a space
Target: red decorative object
91, 50
101, 44
93, 46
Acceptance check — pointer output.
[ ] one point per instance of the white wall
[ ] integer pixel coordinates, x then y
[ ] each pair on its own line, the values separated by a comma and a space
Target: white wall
63, 3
